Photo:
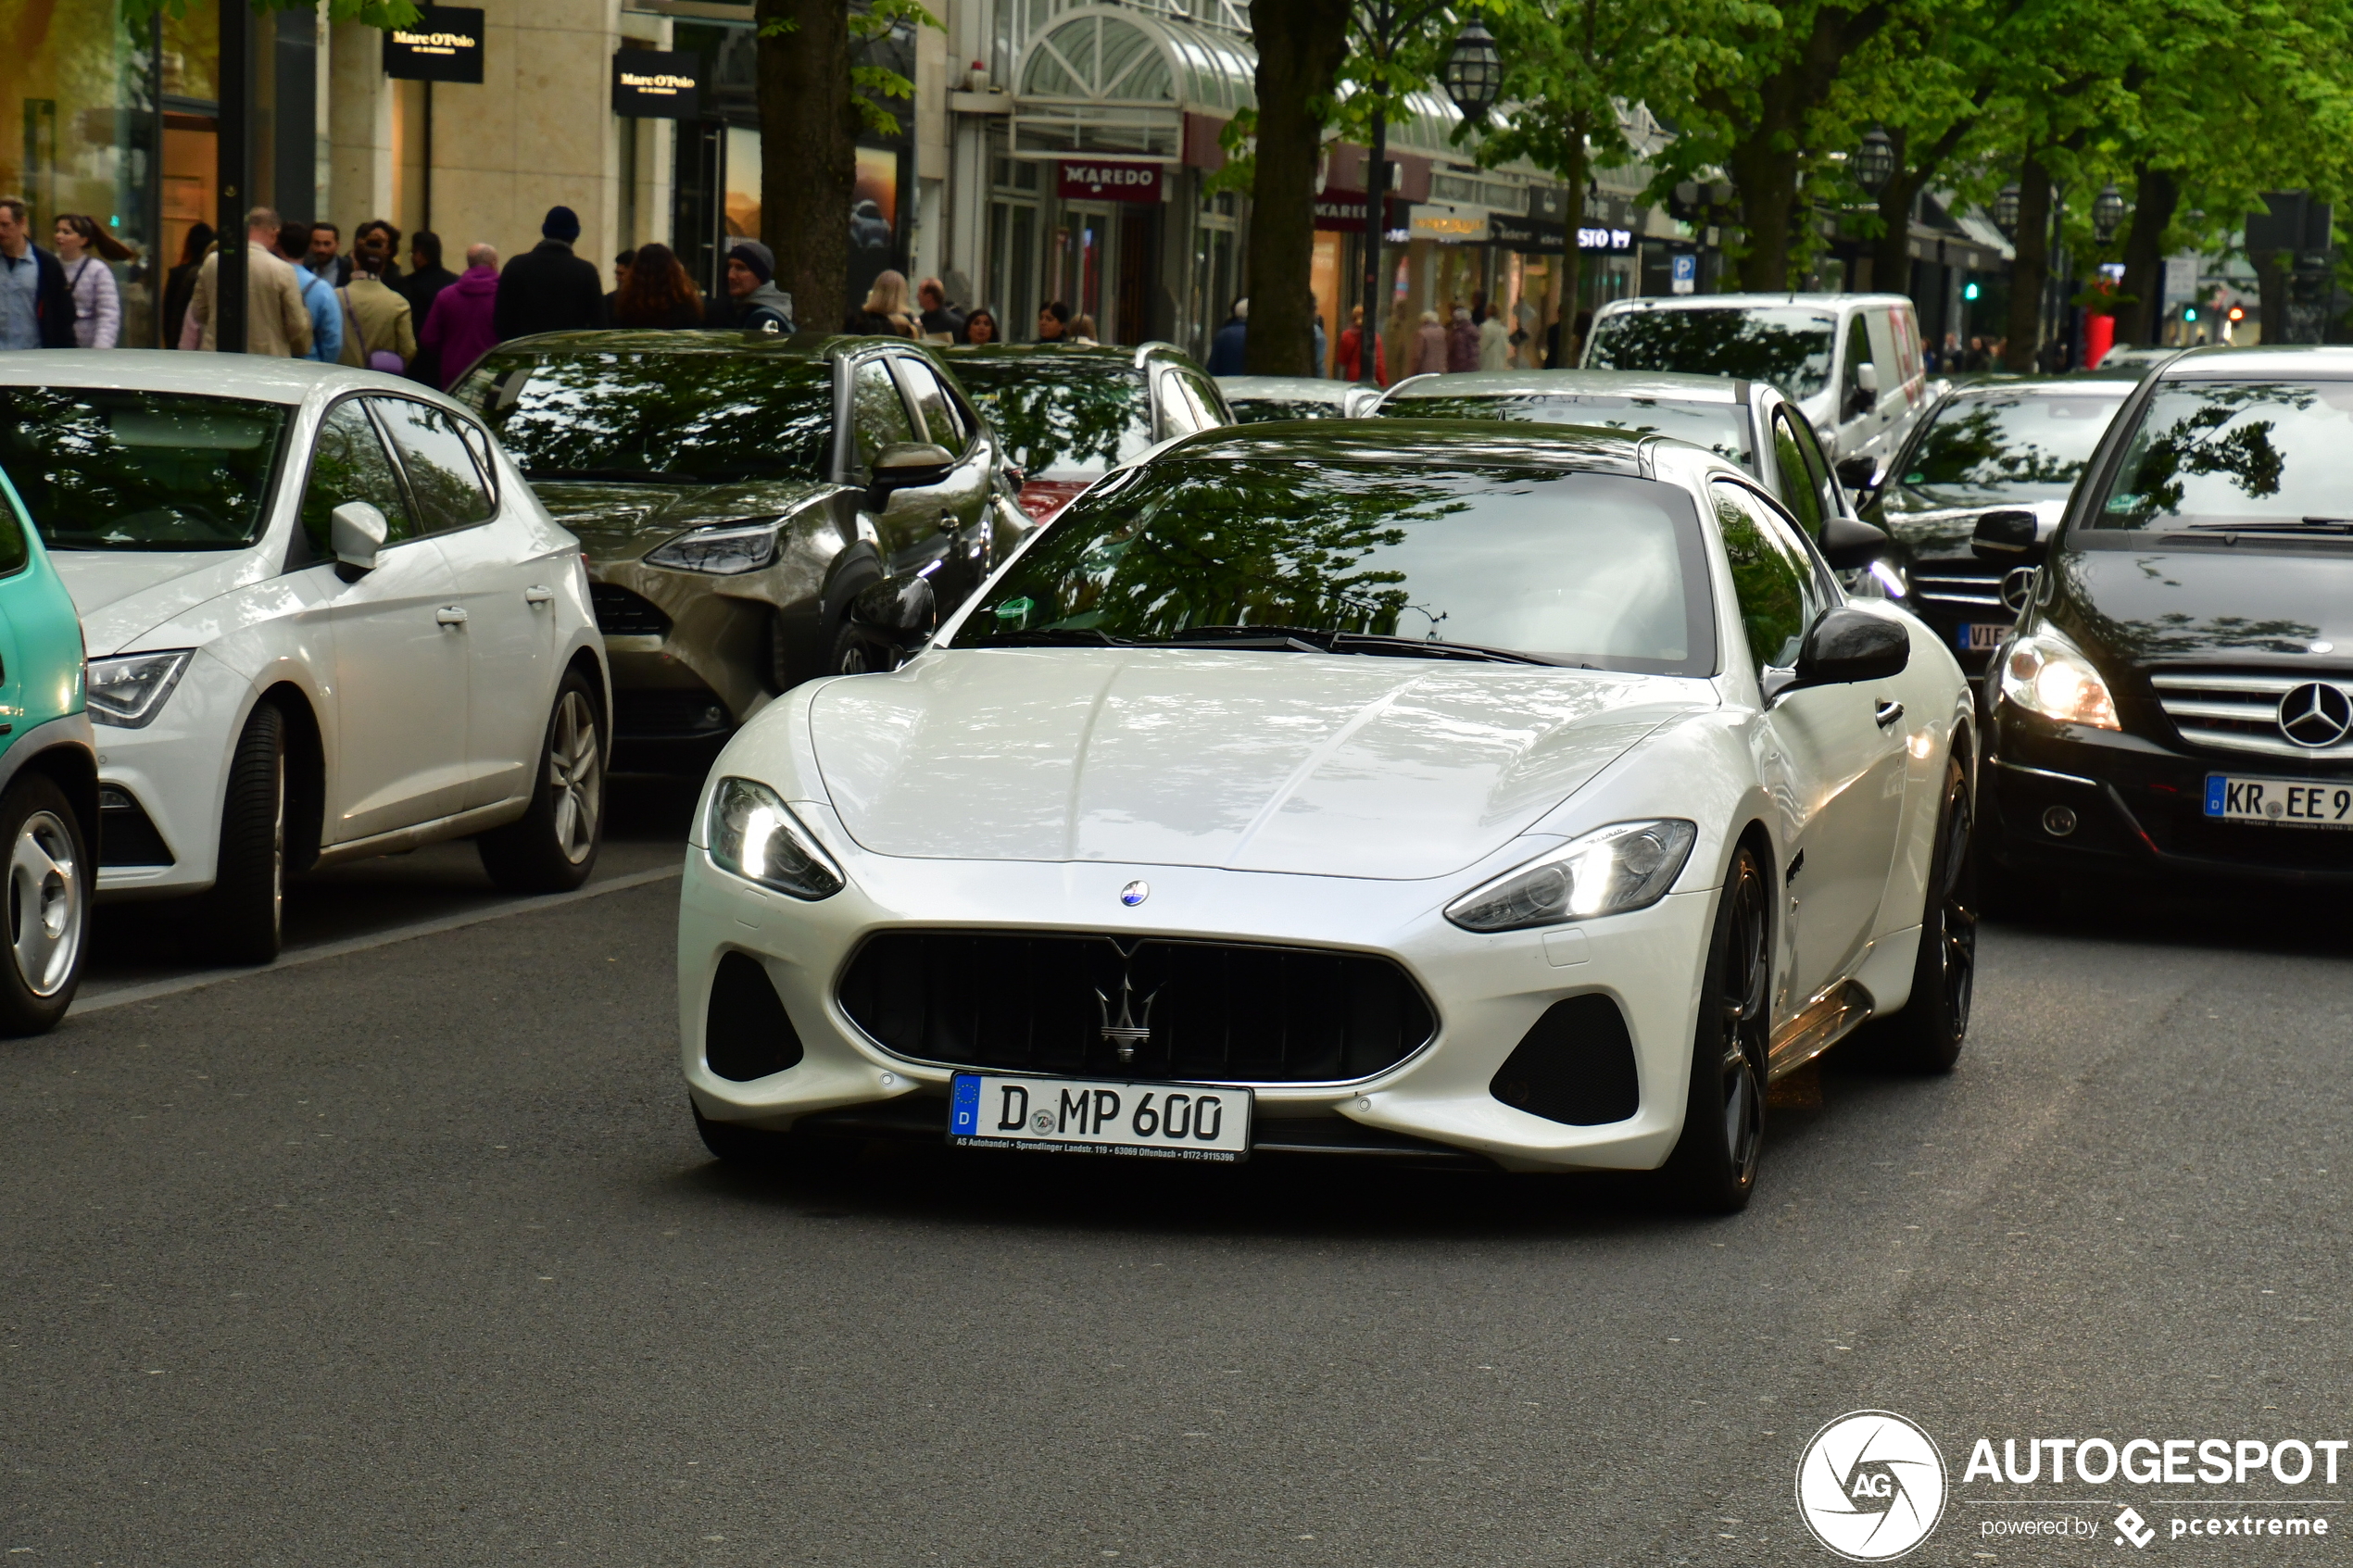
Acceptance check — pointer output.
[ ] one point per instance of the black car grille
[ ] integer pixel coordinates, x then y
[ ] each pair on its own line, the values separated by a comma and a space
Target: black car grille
1968, 590
661, 713
621, 613
1204, 1012
2239, 709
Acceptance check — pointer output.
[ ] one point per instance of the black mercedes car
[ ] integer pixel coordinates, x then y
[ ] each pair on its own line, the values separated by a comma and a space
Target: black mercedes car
2178, 695
2014, 445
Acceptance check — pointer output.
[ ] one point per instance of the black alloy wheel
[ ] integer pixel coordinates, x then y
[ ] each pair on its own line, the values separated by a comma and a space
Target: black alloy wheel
1927, 1034
1714, 1165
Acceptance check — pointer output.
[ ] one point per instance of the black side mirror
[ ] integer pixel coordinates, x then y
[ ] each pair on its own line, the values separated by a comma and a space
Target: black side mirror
1851, 545
1858, 474
1844, 647
2012, 538
908, 465
901, 612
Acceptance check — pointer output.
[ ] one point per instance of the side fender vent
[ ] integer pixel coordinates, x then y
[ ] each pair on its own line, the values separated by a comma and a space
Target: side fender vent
1574, 1066
746, 1033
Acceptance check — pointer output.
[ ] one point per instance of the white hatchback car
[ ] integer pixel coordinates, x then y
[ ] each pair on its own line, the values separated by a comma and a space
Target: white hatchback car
326, 618
1421, 790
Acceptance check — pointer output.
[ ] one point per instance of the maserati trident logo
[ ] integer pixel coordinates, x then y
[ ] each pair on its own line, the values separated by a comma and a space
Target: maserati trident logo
2016, 586
1127, 1031
2316, 714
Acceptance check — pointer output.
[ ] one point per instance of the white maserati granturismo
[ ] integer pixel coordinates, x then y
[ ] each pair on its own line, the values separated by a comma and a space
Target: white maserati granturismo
1528, 796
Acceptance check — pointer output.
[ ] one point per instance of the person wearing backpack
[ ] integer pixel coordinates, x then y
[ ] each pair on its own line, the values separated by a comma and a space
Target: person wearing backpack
379, 330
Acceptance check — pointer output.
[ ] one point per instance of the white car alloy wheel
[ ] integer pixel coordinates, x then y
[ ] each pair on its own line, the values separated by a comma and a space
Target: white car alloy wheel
576, 777
45, 904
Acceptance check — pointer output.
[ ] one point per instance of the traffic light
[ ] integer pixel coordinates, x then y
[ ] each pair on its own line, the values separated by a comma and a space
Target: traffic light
2238, 313
1969, 291
2189, 313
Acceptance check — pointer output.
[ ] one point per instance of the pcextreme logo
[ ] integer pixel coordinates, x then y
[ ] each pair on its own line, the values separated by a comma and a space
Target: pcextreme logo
1870, 1485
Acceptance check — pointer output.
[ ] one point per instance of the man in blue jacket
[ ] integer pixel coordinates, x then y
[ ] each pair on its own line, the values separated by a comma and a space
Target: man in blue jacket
318, 295
35, 309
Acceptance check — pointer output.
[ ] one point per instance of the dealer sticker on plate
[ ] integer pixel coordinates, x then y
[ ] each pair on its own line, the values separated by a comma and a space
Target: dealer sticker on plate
2279, 800
1087, 1116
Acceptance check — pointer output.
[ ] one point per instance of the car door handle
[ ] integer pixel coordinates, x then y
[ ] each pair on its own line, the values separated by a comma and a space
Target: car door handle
1886, 713
538, 594
450, 615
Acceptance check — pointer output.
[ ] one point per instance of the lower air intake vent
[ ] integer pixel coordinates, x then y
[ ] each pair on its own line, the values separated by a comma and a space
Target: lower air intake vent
1206, 1011
746, 1034
621, 613
1576, 1066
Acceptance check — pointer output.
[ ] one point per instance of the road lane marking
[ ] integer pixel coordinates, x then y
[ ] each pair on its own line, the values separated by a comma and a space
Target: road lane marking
150, 990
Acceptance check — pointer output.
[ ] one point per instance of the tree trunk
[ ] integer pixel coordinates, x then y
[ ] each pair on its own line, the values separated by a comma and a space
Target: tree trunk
1300, 43
808, 154
1892, 252
2271, 293
2029, 274
1572, 265
2156, 194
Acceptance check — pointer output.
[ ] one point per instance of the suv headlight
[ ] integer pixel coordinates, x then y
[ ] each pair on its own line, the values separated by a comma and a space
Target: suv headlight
724, 550
1608, 871
130, 691
754, 834
2044, 673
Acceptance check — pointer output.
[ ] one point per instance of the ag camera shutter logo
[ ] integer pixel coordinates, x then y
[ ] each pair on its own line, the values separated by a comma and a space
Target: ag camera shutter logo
1870, 1485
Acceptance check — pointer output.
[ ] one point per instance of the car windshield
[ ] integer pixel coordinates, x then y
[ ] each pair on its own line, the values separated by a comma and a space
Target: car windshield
2030, 446
1598, 570
104, 470
2272, 455
663, 419
1722, 427
1061, 417
1260, 411
1785, 346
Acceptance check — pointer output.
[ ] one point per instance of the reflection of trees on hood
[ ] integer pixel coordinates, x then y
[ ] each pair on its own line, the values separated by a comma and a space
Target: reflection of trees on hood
1081, 415
1224, 544
2172, 633
714, 417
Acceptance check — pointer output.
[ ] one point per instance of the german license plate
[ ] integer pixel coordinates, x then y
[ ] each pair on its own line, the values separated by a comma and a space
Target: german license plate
1086, 1116
1981, 636
2279, 800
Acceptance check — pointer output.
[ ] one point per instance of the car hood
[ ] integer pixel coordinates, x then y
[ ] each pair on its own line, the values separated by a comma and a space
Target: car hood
1307, 763
2155, 605
1938, 525
618, 521
120, 594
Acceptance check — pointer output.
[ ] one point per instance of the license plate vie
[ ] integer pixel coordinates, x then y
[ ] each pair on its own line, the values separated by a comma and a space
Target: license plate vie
1981, 636
1089, 1116
2279, 800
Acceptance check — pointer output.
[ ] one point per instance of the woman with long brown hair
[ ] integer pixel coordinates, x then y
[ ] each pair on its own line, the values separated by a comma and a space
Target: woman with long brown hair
83, 249
658, 292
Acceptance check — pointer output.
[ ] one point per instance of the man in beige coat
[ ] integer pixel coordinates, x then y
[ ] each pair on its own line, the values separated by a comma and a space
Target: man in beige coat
276, 320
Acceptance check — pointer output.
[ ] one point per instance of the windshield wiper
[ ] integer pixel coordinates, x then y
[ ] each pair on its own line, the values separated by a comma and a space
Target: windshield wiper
1271, 639
2279, 525
1307, 639
609, 476
1054, 637
1416, 647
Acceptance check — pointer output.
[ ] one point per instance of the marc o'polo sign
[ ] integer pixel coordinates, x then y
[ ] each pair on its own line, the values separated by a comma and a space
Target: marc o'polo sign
443, 44
656, 84
1095, 180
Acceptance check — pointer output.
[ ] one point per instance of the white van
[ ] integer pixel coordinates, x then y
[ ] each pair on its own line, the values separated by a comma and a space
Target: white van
1851, 362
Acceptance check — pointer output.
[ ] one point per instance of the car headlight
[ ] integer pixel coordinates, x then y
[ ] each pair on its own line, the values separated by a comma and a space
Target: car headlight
2044, 673
1608, 871
128, 692
754, 834
724, 550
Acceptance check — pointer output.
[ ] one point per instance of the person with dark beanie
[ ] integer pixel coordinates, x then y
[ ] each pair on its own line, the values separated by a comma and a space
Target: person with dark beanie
754, 302
549, 290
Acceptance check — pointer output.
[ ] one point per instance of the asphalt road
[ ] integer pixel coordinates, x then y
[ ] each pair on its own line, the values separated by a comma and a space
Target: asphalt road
407, 1254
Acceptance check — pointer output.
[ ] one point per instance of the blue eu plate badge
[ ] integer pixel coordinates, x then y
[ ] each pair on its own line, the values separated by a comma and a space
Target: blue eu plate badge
963, 1114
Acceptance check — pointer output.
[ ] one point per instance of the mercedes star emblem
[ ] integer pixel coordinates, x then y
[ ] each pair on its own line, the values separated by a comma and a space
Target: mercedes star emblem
2316, 714
2016, 586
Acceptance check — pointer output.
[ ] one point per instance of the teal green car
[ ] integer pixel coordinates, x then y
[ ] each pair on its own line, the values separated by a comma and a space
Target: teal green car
48, 782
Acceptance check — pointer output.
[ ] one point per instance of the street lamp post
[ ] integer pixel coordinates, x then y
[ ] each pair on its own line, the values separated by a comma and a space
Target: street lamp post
1473, 79
2107, 212
1874, 162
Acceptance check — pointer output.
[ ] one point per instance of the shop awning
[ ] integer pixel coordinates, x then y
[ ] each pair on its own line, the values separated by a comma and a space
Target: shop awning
1104, 78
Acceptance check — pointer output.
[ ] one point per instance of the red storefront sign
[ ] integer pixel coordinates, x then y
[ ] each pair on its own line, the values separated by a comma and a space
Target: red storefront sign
1345, 211
1094, 180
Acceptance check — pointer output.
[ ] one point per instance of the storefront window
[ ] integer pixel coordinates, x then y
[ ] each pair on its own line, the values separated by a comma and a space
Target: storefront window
79, 88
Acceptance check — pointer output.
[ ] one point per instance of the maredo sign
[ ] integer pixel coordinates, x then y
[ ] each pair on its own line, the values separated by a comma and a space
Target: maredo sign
1092, 180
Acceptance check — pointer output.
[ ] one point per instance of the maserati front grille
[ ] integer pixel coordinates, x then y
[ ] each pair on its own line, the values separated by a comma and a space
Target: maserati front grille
2239, 710
1148, 1008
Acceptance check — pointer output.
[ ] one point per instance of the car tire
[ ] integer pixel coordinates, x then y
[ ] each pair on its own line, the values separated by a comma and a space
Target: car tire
245, 921
52, 883
858, 653
1927, 1036
552, 846
1713, 1169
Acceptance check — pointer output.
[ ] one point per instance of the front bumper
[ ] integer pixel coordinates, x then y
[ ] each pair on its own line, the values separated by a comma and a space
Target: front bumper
1487, 992
174, 769
2139, 808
